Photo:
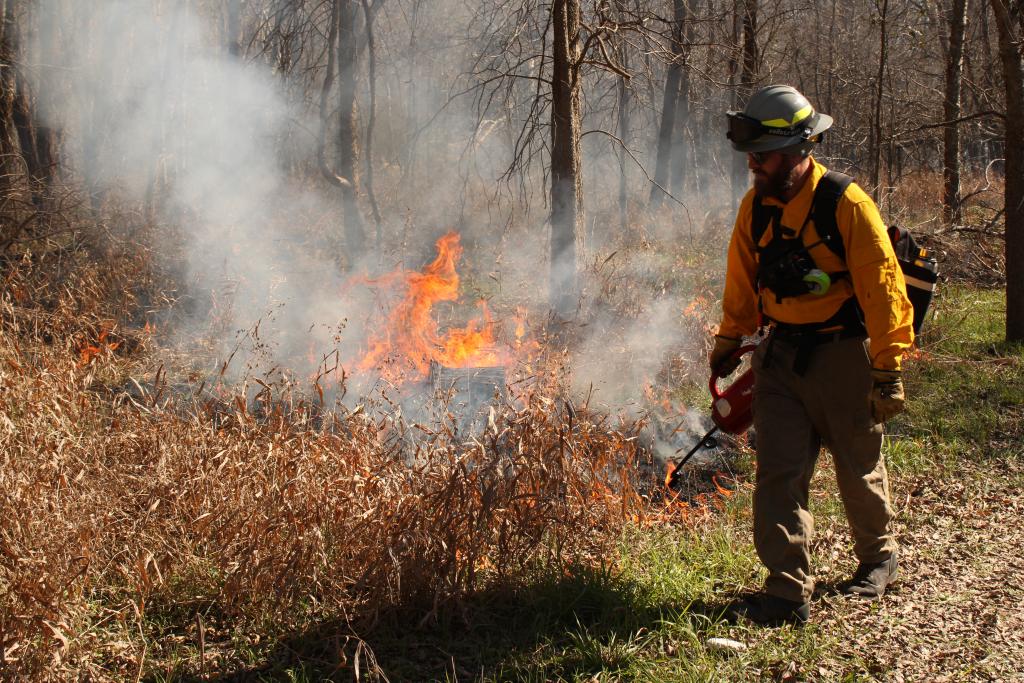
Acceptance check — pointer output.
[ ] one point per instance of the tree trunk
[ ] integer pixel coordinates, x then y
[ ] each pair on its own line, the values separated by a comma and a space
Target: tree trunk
669, 100
951, 112
624, 124
47, 137
566, 187
11, 165
681, 145
285, 38
1008, 19
348, 128
233, 28
747, 15
876, 122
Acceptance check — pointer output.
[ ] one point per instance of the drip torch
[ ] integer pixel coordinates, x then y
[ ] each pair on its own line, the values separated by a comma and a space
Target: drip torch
732, 410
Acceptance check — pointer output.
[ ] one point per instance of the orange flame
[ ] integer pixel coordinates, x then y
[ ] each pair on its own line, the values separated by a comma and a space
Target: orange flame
87, 352
721, 489
403, 346
520, 321
675, 508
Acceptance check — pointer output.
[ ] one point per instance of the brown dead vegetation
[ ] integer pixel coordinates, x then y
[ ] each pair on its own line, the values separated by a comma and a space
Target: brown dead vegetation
119, 505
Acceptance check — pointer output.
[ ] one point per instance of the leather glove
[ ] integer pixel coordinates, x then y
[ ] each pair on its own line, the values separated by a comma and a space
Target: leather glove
887, 396
721, 361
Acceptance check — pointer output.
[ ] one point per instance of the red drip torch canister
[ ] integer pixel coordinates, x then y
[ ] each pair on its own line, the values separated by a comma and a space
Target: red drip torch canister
733, 409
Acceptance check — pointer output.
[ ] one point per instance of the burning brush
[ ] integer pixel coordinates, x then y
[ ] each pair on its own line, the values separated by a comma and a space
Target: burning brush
406, 345
732, 411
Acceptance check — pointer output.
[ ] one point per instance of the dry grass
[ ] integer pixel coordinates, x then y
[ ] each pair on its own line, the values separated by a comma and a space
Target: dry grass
123, 508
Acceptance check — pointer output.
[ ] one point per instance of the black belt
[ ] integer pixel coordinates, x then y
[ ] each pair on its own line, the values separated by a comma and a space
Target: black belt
804, 340
799, 335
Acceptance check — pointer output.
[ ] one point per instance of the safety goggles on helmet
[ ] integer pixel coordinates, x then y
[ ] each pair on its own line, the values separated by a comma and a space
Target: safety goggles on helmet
744, 129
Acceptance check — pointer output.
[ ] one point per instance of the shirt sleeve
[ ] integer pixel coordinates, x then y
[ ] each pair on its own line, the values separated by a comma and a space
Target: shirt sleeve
739, 302
877, 280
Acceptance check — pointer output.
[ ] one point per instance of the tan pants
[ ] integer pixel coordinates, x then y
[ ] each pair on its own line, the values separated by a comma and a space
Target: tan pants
793, 415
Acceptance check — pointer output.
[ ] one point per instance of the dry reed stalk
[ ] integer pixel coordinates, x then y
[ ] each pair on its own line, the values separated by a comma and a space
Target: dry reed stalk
109, 503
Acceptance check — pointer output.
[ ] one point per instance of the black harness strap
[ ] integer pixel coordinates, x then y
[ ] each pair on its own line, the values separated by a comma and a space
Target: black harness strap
762, 217
849, 317
830, 189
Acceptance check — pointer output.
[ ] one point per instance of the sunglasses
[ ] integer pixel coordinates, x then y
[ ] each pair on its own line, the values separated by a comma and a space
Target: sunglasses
744, 129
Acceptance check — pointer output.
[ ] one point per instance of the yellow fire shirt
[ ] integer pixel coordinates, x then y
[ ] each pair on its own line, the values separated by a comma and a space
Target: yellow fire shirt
875, 276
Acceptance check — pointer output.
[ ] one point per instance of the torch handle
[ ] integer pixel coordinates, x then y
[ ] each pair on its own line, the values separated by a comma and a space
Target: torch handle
713, 382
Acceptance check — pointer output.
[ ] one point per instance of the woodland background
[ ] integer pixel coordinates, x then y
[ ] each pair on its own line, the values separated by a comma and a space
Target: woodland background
195, 483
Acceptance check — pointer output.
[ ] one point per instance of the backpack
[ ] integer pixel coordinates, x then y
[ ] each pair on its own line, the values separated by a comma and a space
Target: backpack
920, 269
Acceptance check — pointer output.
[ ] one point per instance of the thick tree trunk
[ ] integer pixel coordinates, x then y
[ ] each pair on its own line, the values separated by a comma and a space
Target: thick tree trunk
681, 144
566, 186
1009, 17
11, 165
233, 28
670, 99
951, 112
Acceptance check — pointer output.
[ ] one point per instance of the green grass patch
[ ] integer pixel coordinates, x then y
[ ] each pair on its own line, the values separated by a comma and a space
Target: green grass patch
965, 391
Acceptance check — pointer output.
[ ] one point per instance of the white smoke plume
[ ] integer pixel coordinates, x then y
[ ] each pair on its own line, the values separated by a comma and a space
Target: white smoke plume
156, 110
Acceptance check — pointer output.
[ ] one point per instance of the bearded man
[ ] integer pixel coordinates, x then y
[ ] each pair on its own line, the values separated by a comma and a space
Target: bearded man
810, 262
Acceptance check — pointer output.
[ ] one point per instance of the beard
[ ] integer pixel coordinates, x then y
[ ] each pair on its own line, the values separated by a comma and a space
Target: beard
781, 181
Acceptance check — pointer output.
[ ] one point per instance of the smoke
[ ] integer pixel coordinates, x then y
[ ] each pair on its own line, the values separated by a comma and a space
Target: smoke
157, 112
643, 336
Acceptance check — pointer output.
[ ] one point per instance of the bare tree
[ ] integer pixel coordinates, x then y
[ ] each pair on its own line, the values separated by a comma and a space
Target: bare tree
882, 8
566, 185
27, 146
347, 38
622, 110
11, 163
233, 27
951, 112
670, 99
680, 158
745, 34
1009, 20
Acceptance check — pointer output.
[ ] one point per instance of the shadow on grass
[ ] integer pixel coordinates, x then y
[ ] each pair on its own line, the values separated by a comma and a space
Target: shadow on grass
569, 627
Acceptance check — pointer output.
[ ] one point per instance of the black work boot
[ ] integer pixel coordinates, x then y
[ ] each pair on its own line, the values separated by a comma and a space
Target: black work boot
769, 610
870, 580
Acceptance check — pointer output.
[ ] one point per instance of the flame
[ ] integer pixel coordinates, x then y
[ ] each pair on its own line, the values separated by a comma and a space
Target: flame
721, 489
520, 321
87, 352
675, 508
404, 344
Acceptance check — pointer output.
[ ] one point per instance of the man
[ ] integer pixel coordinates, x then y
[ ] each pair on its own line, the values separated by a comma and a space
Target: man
828, 372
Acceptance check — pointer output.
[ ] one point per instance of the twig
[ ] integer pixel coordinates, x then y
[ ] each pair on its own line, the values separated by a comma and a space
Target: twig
644, 171
201, 630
